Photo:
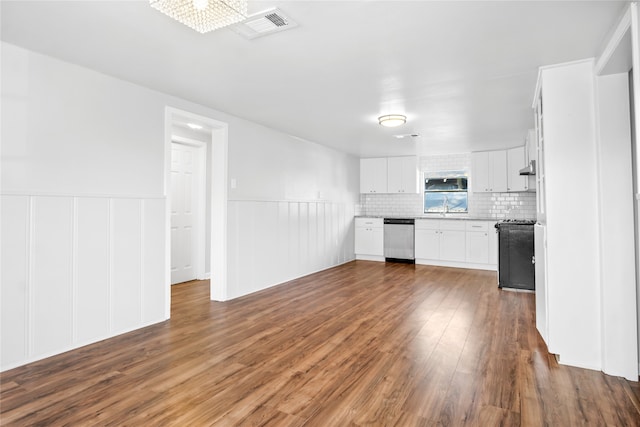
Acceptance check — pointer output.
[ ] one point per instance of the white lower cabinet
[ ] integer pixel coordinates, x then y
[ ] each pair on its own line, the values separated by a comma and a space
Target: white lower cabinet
477, 242
456, 243
446, 242
369, 238
452, 240
427, 242
493, 243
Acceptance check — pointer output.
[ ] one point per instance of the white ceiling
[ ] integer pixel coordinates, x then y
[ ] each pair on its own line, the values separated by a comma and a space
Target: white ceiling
463, 72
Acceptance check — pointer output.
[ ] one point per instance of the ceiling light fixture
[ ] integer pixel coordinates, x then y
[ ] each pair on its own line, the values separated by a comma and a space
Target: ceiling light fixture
200, 4
203, 15
392, 120
194, 126
406, 135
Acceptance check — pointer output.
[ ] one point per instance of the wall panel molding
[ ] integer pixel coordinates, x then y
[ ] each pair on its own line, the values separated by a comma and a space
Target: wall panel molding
284, 240
77, 270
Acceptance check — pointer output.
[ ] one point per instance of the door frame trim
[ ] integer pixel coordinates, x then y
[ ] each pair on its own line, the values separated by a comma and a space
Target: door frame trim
218, 155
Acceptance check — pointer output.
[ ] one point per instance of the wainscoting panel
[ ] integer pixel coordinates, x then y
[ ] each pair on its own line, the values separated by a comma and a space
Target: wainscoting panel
126, 283
271, 242
153, 232
92, 269
76, 270
51, 296
14, 292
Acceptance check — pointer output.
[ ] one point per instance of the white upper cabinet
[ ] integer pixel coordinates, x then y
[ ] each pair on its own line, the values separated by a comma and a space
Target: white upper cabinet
480, 172
389, 175
499, 171
530, 144
402, 174
489, 170
373, 175
516, 160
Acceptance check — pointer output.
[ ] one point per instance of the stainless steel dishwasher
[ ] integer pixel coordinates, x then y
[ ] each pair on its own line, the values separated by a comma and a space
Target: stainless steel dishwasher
399, 240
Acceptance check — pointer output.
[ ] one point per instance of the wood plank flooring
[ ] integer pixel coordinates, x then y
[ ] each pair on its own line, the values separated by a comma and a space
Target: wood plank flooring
365, 343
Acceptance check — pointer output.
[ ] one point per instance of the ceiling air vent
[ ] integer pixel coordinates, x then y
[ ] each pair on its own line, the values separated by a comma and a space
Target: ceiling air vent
264, 23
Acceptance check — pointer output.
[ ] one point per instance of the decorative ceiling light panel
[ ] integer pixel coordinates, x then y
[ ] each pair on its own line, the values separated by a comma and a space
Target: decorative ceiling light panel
203, 15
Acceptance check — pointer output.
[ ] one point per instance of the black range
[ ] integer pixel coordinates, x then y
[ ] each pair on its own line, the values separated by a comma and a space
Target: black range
516, 262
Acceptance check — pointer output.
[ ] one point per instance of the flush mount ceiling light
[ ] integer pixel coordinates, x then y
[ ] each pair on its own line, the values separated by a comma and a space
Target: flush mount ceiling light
203, 15
392, 120
406, 135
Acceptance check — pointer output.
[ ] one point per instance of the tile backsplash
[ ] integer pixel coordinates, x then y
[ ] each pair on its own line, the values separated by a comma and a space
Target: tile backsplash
483, 205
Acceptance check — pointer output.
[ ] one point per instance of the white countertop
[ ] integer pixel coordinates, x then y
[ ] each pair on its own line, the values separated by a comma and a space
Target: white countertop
448, 216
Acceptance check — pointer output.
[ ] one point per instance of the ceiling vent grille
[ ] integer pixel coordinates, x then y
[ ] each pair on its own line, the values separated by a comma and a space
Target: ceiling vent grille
264, 23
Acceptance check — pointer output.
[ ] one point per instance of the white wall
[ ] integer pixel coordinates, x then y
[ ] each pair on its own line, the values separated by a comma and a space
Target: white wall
617, 246
273, 242
573, 268
291, 212
76, 270
83, 204
635, 50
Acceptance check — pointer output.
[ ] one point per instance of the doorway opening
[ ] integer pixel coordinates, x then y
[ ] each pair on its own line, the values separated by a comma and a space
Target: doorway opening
199, 230
190, 203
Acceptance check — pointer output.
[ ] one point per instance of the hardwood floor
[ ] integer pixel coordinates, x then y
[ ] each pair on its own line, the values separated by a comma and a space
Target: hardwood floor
365, 343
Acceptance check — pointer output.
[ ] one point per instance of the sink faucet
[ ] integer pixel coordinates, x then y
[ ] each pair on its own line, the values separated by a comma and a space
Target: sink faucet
445, 206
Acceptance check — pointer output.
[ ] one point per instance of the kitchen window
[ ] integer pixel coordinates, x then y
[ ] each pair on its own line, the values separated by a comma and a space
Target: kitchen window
445, 195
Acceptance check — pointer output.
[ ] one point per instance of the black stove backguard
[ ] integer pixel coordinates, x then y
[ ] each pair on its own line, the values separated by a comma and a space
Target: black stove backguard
516, 268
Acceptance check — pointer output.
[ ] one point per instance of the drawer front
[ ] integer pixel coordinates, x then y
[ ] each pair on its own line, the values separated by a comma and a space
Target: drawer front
477, 225
453, 224
427, 224
369, 222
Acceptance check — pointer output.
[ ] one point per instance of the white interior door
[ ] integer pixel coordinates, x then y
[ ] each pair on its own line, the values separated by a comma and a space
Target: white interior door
185, 176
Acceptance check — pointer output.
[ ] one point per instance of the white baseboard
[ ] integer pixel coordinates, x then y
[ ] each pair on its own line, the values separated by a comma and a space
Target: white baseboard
473, 266
76, 346
370, 258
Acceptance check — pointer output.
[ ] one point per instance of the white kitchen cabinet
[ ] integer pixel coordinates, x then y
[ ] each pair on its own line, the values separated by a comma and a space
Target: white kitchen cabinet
369, 237
516, 160
402, 174
456, 243
373, 175
541, 175
452, 240
489, 171
585, 279
440, 240
427, 240
530, 146
480, 172
493, 243
452, 245
477, 242
540, 251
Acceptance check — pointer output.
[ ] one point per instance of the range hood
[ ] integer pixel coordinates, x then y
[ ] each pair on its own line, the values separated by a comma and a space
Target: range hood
529, 170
